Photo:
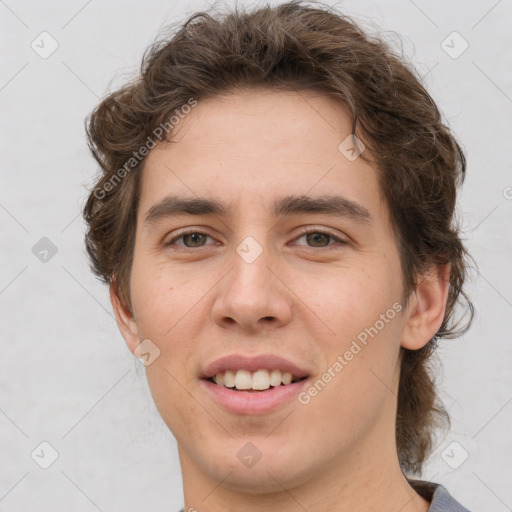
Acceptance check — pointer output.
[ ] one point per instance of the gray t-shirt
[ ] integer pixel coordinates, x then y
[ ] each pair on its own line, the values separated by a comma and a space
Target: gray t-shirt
440, 499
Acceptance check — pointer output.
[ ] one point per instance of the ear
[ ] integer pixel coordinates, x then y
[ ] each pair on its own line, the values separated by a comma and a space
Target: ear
125, 319
426, 308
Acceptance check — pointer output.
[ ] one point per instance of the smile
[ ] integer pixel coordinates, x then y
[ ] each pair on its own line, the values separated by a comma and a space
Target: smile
253, 384
259, 380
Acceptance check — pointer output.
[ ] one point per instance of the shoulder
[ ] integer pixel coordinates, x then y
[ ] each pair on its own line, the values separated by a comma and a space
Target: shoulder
440, 499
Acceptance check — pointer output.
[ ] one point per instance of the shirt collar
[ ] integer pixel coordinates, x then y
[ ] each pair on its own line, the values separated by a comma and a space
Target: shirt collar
440, 499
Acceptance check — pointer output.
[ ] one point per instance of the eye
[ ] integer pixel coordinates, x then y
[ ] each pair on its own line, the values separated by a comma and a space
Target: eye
190, 238
317, 237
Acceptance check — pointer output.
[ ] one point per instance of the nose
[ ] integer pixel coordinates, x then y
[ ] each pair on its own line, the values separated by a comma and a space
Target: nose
253, 296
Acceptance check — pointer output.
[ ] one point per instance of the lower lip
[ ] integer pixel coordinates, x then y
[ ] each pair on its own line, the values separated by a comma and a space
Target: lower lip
253, 402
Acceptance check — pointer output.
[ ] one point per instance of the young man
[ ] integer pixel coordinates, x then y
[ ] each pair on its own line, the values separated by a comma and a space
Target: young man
275, 220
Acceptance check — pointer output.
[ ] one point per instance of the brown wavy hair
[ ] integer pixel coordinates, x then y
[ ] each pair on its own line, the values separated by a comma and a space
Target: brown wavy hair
298, 47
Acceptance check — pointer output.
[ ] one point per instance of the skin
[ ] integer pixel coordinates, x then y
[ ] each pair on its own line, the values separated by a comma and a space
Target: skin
303, 298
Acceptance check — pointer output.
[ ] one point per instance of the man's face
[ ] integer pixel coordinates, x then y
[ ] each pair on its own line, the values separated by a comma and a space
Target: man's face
252, 283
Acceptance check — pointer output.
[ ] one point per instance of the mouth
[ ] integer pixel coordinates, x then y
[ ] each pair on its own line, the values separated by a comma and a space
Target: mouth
257, 382
253, 384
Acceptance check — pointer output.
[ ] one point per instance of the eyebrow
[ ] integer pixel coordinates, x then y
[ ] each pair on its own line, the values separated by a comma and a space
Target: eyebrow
336, 206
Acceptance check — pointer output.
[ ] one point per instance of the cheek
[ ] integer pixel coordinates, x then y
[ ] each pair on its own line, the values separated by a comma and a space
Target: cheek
159, 300
164, 310
363, 312
358, 384
353, 300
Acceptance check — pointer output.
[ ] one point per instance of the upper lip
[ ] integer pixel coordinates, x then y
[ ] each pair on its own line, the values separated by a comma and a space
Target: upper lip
252, 364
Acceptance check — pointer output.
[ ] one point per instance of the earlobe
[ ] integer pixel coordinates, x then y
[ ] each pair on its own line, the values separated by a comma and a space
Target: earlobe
124, 318
427, 307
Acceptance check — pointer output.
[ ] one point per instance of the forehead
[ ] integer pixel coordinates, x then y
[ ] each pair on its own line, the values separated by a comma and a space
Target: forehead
255, 146
268, 124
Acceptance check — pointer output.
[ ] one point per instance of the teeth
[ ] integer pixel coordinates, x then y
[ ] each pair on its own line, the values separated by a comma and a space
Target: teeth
243, 380
275, 378
229, 379
259, 380
286, 378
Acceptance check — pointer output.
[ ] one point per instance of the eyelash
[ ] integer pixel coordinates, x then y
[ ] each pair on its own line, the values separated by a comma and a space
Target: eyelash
305, 232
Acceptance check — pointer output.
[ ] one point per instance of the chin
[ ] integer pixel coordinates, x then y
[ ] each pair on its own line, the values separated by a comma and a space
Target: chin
255, 465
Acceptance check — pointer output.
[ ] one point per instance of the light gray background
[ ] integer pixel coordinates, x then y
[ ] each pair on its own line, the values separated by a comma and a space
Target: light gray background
66, 376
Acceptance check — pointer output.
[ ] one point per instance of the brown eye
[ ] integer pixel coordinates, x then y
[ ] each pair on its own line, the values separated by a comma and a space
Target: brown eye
191, 239
194, 239
318, 239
